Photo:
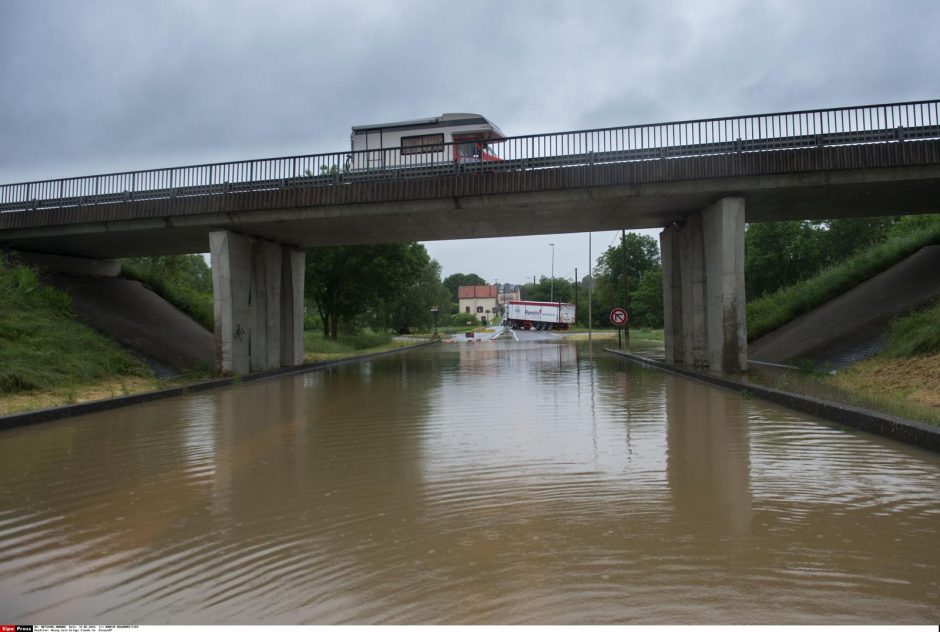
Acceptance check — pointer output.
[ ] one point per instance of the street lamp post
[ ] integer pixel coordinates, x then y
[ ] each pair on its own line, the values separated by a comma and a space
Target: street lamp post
552, 291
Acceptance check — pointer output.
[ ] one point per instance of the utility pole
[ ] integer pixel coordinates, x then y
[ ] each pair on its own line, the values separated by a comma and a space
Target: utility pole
551, 296
590, 290
626, 296
576, 295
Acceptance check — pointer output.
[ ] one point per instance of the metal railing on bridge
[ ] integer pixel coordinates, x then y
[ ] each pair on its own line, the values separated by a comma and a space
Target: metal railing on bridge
887, 123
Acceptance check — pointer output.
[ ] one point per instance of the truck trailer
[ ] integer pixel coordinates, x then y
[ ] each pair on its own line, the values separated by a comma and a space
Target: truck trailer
539, 315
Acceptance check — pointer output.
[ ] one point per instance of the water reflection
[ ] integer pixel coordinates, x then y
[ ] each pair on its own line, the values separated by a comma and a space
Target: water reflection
708, 457
474, 483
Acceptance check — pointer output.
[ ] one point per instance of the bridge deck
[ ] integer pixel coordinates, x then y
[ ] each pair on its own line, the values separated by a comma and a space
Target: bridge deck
861, 161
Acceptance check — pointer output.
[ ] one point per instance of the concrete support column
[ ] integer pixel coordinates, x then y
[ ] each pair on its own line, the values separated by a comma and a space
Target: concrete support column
672, 294
692, 277
723, 235
265, 298
703, 288
259, 289
231, 282
292, 306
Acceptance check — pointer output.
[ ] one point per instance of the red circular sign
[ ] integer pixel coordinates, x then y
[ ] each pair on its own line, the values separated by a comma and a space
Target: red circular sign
618, 316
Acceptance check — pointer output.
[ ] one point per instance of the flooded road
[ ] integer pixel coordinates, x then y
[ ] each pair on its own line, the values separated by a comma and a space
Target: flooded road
488, 482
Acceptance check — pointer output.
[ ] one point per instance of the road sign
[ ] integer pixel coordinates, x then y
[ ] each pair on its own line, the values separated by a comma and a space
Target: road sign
618, 317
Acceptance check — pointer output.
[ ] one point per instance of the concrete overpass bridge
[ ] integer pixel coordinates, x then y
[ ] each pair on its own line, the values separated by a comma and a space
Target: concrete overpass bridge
698, 180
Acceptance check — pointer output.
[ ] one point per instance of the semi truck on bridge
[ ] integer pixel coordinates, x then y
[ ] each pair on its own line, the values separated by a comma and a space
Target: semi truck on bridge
451, 138
539, 315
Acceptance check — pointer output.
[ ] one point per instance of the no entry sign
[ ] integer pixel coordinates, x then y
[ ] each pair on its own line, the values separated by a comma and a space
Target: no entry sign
618, 317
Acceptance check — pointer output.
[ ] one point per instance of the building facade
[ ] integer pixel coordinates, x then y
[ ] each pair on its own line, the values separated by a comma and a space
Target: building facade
479, 300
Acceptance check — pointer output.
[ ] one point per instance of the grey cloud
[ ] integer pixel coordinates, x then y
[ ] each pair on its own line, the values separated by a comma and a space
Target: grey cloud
108, 85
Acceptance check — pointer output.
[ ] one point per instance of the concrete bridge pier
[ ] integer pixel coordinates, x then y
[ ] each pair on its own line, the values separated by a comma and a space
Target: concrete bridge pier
703, 288
259, 298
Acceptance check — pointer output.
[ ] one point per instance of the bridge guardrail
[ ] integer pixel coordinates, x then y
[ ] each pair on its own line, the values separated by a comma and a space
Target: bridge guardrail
887, 123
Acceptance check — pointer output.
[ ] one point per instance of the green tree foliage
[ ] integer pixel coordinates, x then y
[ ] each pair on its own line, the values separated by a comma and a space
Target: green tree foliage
778, 254
643, 268
646, 301
389, 286
189, 271
542, 291
454, 281
411, 307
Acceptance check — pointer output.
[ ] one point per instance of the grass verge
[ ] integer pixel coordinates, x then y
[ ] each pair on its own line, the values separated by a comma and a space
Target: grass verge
320, 349
906, 375
891, 382
903, 380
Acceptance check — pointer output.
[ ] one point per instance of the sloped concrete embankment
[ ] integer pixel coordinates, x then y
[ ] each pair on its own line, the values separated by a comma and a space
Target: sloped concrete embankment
163, 336
854, 326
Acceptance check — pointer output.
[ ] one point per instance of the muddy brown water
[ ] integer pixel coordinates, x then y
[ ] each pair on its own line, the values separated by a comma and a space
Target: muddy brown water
506, 482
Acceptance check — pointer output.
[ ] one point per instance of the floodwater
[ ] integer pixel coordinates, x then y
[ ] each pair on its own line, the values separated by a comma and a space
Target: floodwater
495, 482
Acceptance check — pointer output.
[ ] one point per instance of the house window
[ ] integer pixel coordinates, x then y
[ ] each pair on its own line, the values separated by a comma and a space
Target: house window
480, 309
424, 144
468, 309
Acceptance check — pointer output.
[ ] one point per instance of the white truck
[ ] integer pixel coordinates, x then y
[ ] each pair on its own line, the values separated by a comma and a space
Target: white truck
439, 140
539, 315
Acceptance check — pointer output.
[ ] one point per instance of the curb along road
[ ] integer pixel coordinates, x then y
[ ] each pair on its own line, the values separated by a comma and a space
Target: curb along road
904, 430
16, 420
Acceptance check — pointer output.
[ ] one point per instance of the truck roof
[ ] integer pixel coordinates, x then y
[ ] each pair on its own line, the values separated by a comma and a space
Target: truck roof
448, 119
539, 303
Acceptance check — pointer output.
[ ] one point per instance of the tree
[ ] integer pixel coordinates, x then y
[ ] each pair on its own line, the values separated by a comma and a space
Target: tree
454, 281
642, 259
411, 307
839, 239
646, 301
777, 254
184, 271
387, 285
563, 291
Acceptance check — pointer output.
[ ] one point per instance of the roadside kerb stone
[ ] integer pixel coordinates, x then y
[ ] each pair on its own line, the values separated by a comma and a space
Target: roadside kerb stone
897, 428
16, 420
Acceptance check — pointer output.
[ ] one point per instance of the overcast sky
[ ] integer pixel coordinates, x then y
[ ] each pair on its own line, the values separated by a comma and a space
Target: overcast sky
97, 86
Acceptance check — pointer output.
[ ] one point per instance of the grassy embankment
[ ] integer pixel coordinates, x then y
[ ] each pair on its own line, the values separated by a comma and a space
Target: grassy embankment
774, 310
904, 379
47, 358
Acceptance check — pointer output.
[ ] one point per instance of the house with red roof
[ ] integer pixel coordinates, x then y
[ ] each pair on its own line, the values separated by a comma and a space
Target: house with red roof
479, 300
